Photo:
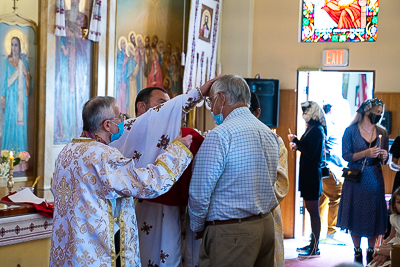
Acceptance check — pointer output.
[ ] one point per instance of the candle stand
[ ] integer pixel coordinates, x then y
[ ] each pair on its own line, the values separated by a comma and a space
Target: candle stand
10, 182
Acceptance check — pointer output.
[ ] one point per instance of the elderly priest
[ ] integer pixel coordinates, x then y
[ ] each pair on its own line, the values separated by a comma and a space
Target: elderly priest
94, 186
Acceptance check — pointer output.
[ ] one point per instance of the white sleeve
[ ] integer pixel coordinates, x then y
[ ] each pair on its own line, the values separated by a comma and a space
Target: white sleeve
122, 177
142, 135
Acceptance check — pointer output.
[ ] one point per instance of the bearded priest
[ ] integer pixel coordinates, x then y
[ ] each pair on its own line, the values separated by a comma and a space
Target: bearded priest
163, 238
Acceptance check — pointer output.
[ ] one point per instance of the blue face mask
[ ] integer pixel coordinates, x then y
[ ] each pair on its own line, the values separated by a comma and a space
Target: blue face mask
218, 119
116, 136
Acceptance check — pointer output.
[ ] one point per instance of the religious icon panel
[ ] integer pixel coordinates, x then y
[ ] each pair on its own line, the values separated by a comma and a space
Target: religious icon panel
205, 23
17, 91
73, 73
148, 49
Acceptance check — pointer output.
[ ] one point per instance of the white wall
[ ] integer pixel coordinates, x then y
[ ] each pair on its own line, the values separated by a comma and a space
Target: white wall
26, 8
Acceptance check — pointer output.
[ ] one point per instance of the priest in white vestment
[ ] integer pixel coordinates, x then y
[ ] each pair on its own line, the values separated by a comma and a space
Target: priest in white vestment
159, 225
94, 186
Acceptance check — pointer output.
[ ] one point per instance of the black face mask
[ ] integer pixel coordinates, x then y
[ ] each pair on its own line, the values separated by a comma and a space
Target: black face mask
374, 118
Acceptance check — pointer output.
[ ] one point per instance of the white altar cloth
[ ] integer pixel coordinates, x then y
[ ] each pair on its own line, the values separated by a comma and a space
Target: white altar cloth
23, 228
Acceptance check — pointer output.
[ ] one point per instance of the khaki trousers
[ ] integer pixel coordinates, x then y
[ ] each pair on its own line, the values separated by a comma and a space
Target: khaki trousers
249, 243
329, 202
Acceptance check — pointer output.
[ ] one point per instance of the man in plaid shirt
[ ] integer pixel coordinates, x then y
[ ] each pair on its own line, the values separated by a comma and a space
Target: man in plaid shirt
232, 187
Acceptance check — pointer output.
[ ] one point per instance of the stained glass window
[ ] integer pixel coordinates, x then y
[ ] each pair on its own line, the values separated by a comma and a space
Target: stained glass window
339, 20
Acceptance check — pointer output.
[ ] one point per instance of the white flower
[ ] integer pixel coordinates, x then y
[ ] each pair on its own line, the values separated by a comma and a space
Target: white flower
5, 153
4, 168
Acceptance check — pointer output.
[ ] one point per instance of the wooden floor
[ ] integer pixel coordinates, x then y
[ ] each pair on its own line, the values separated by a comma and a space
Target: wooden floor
333, 253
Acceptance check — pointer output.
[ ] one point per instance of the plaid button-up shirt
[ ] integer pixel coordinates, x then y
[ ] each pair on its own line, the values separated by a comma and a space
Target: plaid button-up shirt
235, 171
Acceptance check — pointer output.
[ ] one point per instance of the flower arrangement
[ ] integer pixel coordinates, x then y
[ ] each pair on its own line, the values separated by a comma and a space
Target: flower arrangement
6, 156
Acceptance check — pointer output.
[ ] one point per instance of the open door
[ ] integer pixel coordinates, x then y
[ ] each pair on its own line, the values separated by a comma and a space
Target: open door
343, 91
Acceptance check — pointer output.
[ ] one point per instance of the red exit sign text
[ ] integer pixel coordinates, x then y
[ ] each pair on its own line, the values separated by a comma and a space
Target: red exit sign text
335, 58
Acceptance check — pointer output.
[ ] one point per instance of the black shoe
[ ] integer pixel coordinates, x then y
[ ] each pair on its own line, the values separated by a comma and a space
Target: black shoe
358, 255
370, 251
303, 248
309, 253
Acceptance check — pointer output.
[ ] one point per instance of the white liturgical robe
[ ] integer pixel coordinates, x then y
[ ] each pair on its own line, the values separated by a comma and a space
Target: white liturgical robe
89, 180
159, 225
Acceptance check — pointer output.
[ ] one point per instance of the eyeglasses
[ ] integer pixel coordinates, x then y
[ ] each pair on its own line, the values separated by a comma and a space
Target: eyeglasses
208, 100
121, 116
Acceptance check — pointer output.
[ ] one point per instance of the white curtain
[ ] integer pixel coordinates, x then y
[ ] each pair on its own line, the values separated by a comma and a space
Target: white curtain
94, 25
95, 22
60, 18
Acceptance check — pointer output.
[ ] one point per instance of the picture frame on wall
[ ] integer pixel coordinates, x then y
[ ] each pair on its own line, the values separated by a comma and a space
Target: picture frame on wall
18, 96
206, 23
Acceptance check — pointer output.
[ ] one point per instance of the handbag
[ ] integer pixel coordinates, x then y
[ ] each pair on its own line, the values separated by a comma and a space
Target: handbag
352, 175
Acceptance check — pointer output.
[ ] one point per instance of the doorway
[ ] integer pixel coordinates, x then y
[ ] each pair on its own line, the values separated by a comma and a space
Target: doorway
341, 91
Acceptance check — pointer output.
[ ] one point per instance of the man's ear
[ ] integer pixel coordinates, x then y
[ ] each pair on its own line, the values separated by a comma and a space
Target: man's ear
106, 125
222, 98
141, 106
257, 113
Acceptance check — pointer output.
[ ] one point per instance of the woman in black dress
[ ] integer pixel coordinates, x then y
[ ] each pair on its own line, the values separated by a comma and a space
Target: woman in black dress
311, 146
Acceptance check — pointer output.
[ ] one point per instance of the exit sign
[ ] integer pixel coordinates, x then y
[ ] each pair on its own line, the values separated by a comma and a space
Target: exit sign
335, 58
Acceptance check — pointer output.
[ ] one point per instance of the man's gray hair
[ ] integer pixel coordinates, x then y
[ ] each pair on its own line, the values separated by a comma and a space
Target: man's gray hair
234, 88
96, 111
